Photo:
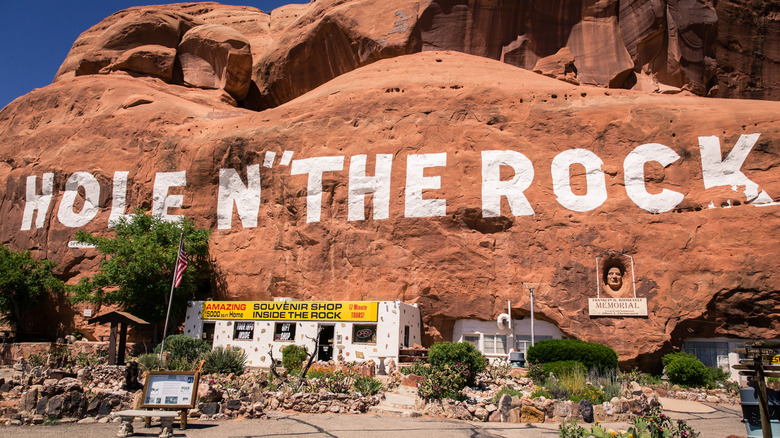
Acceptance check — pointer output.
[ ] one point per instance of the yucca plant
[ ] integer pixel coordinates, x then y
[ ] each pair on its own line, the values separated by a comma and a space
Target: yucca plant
225, 361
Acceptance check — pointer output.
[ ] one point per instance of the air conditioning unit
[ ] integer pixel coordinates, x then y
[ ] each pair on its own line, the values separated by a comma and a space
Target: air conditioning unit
504, 321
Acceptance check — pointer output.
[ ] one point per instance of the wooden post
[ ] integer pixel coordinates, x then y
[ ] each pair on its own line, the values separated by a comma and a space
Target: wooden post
112, 344
122, 344
183, 419
763, 404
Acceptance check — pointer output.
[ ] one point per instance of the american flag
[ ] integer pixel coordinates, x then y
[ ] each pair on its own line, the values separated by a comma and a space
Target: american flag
181, 264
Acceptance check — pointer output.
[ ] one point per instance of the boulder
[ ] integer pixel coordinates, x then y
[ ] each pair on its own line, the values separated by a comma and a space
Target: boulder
529, 414
152, 60
215, 56
29, 400
586, 411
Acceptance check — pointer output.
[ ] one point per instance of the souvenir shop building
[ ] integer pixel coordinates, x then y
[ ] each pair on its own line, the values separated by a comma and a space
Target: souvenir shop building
354, 331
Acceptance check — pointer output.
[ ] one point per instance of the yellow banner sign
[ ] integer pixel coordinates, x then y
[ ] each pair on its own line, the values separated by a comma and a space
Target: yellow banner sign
291, 311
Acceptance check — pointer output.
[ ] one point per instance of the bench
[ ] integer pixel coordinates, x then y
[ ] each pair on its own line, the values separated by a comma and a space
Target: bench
127, 416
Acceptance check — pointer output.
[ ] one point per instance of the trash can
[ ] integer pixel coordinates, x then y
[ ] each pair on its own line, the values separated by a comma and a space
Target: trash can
517, 359
751, 414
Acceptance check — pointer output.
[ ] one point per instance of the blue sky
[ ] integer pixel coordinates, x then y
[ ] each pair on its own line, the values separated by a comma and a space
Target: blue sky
37, 34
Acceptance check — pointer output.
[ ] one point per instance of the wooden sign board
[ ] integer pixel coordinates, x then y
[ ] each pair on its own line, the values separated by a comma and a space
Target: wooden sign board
171, 389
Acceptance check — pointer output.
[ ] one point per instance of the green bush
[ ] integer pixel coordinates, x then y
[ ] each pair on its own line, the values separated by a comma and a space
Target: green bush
687, 371
716, 375
453, 353
184, 349
293, 357
225, 361
444, 381
589, 354
367, 385
671, 357
562, 367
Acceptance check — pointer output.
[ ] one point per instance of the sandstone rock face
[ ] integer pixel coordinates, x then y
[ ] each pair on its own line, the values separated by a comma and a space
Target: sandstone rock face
650, 45
216, 56
481, 177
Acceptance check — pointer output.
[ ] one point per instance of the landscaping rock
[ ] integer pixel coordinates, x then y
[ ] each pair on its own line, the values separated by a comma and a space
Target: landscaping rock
529, 414
54, 407
586, 410
209, 408
233, 404
29, 400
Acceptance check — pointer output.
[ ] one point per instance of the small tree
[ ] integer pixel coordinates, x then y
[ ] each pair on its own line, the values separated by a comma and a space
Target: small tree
139, 264
24, 282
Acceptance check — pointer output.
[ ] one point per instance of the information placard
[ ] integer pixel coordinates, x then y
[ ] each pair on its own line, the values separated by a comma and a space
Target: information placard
171, 389
617, 306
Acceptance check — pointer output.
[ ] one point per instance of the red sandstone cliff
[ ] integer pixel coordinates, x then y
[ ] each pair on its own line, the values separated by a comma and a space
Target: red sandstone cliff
705, 271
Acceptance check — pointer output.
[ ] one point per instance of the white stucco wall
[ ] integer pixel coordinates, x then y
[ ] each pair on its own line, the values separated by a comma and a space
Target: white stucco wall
520, 327
391, 318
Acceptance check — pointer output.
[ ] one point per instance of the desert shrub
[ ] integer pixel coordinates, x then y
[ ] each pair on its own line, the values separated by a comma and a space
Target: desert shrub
717, 377
453, 353
148, 362
563, 367
498, 369
591, 393
36, 360
444, 381
611, 382
591, 355
418, 368
318, 371
367, 385
184, 349
506, 390
687, 371
293, 357
225, 361
338, 382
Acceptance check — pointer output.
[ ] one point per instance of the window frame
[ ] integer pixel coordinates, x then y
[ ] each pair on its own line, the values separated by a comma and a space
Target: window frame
355, 328
292, 332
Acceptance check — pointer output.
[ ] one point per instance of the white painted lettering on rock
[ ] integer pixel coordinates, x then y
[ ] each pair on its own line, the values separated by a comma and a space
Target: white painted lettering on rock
315, 167
360, 185
91, 186
493, 188
716, 171
36, 202
161, 200
596, 183
634, 173
416, 206
246, 198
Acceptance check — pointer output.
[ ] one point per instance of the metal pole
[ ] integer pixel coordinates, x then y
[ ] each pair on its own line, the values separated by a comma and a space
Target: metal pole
532, 314
170, 299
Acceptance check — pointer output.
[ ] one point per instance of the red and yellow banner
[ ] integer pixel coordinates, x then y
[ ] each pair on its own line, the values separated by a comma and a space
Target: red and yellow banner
336, 311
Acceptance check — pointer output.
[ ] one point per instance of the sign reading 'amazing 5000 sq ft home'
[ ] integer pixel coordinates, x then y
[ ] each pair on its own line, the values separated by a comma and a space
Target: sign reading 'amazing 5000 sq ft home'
233, 194
291, 311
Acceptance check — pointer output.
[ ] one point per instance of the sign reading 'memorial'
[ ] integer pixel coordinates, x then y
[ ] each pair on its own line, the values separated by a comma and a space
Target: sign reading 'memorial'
291, 311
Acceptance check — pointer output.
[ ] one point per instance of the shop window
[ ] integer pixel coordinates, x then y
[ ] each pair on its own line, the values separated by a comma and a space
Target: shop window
472, 339
243, 331
284, 331
364, 334
711, 354
495, 344
522, 342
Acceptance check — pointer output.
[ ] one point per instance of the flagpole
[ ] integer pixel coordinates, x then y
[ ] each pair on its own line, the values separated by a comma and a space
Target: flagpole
170, 299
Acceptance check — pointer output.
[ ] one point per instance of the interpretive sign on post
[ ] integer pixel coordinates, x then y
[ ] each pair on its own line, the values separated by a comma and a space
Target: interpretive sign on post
171, 389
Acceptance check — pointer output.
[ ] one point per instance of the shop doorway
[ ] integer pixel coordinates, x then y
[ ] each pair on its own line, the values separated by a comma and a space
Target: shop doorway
208, 332
325, 345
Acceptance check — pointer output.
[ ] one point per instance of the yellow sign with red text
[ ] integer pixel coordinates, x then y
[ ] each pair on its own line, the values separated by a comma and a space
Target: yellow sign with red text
336, 311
